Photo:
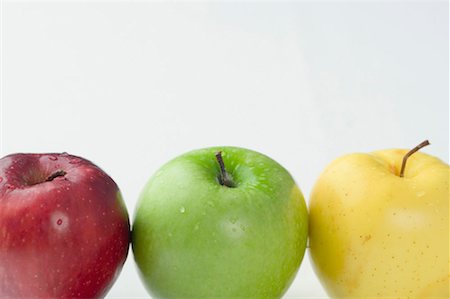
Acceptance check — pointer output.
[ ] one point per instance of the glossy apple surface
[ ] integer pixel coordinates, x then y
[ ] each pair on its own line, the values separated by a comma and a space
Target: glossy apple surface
196, 238
64, 229
374, 234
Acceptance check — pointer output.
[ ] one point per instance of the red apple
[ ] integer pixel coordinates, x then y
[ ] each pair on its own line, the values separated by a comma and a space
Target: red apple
64, 229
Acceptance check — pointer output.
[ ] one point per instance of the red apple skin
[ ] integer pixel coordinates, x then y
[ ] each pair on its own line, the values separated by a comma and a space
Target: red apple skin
67, 237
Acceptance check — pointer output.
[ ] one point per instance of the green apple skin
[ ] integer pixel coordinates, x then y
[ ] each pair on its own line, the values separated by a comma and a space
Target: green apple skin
195, 238
374, 234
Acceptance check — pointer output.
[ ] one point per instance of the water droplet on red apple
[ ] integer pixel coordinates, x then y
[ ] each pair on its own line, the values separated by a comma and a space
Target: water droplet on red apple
59, 221
75, 161
1, 179
53, 158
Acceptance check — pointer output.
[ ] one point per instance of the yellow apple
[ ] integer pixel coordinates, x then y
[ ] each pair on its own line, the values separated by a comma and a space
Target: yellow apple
374, 233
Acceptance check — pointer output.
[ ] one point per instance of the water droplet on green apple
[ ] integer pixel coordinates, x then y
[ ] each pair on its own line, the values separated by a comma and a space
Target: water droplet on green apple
182, 210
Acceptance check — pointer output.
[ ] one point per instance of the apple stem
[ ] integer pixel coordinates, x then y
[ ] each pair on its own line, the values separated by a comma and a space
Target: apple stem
225, 178
408, 154
56, 174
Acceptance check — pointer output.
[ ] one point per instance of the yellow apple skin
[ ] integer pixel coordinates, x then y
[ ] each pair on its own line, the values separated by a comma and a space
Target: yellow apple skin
374, 234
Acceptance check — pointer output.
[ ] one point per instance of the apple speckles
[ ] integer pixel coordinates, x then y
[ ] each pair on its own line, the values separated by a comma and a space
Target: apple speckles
59, 221
365, 238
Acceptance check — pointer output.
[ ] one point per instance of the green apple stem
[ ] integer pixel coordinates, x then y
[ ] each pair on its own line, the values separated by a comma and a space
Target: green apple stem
55, 175
225, 178
408, 154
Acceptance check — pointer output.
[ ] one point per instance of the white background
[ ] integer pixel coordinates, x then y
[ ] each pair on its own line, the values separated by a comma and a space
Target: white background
130, 85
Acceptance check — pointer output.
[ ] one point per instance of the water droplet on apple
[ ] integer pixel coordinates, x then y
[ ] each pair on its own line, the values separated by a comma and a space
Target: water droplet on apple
60, 221
53, 158
1, 179
75, 161
420, 193
182, 210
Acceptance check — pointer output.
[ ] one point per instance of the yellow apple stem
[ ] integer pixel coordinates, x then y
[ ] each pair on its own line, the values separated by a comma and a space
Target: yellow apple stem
225, 178
408, 154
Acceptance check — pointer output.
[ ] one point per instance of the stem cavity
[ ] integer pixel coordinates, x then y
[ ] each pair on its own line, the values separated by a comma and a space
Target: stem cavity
408, 154
224, 178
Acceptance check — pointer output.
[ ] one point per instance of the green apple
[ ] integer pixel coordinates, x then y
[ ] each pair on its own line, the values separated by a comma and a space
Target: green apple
380, 230
221, 222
